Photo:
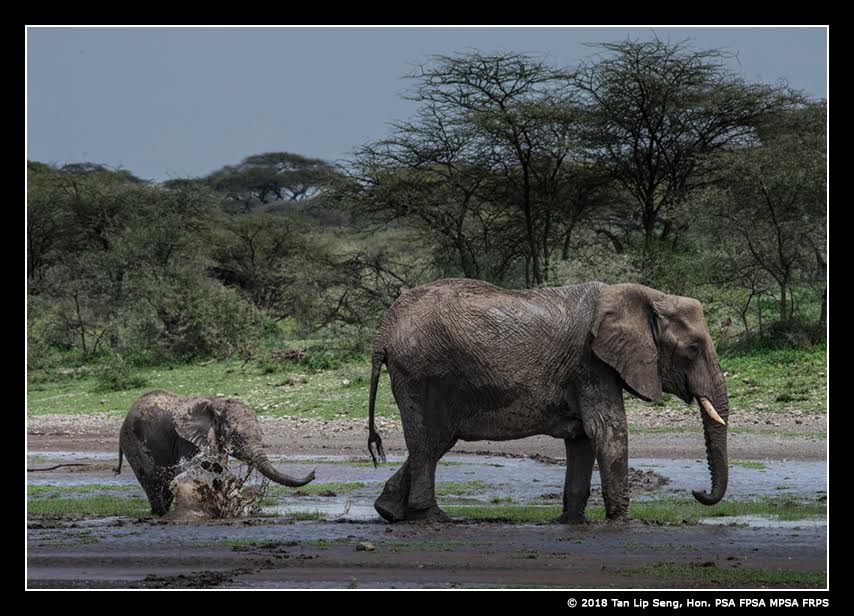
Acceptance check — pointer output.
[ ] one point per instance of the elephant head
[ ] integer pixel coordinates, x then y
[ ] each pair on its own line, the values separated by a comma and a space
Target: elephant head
658, 342
229, 427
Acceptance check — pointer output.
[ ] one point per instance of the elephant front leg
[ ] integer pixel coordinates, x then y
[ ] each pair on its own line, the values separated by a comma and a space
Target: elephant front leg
612, 454
579, 471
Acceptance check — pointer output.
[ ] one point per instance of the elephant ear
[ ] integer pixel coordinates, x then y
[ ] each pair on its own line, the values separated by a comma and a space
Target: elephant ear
197, 421
623, 337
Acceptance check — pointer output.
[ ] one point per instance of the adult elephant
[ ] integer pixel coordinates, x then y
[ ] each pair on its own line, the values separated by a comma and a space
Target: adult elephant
470, 361
163, 429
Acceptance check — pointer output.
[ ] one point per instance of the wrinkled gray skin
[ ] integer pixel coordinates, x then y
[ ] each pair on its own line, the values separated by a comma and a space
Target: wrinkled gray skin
162, 429
470, 361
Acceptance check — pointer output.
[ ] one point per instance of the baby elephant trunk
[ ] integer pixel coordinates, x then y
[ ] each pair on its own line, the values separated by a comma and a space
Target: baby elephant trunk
260, 461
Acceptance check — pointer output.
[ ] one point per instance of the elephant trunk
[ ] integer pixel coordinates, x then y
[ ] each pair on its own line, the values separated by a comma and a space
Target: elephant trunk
260, 461
715, 416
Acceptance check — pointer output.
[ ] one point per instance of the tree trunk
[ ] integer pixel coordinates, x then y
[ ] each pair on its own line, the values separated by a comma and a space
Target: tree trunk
469, 265
564, 253
81, 326
527, 271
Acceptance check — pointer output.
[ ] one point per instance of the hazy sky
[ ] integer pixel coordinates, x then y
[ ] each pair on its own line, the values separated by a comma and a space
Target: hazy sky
179, 102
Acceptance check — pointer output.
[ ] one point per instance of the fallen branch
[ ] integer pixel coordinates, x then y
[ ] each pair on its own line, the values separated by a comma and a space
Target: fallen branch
50, 468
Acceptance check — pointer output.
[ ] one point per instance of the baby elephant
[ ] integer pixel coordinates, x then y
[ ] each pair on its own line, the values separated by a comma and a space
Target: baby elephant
163, 429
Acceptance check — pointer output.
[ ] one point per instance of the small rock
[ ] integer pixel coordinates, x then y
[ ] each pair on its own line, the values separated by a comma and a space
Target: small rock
365, 546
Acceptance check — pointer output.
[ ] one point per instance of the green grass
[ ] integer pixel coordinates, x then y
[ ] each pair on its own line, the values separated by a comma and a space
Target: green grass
751, 464
71, 538
99, 506
666, 511
316, 488
459, 488
710, 573
305, 515
48, 490
329, 394
782, 379
506, 513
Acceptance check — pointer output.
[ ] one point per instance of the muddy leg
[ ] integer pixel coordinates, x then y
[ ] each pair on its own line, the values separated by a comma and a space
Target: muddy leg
391, 504
155, 483
579, 470
422, 494
154, 490
612, 453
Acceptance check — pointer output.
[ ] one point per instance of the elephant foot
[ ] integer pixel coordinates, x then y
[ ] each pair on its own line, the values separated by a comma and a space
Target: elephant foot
390, 509
570, 517
431, 514
618, 520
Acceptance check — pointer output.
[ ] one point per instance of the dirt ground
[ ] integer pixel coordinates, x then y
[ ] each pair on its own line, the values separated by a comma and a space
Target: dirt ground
469, 555
365, 552
759, 436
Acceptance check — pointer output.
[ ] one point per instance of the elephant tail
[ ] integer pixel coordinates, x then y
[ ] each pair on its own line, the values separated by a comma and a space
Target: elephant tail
374, 439
118, 469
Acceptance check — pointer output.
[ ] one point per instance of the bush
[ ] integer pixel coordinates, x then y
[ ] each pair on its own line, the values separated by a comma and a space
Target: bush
795, 335
117, 374
194, 320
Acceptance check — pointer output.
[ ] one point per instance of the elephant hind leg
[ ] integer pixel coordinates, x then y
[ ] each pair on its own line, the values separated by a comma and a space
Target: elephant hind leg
391, 504
422, 495
579, 471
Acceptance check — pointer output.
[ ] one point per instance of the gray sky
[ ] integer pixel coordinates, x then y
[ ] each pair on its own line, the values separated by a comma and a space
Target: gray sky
180, 102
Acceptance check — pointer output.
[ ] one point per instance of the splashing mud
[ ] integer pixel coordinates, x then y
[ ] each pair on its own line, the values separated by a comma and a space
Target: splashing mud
207, 489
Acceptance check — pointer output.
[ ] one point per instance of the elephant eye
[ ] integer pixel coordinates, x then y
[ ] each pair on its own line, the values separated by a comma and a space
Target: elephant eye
693, 349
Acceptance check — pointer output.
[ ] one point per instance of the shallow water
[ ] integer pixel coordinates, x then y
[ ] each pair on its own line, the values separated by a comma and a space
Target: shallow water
521, 479
757, 521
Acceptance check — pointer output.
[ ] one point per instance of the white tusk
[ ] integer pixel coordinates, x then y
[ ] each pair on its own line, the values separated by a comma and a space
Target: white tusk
710, 410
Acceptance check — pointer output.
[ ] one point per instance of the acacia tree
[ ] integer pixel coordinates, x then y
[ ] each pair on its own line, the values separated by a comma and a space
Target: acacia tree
269, 177
432, 174
523, 119
656, 112
770, 207
260, 255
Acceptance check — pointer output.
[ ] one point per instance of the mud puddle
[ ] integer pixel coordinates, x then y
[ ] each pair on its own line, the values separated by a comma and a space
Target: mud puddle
346, 488
279, 551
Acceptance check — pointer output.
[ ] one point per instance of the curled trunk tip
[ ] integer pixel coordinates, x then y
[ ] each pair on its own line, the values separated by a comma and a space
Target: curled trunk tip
707, 499
262, 463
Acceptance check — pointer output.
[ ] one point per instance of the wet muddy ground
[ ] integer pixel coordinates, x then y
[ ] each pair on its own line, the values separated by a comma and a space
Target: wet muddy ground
328, 535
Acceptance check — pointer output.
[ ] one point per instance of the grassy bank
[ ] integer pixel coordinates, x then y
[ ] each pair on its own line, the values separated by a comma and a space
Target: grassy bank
667, 511
765, 382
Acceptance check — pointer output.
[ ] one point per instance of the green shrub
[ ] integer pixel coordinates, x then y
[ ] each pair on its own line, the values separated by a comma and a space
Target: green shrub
116, 374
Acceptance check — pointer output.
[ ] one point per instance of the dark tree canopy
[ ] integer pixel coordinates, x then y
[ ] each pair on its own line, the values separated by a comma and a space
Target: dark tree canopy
658, 110
271, 177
